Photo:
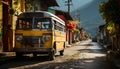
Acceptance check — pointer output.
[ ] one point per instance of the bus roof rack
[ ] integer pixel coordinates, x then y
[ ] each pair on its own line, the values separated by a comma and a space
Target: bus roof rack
38, 14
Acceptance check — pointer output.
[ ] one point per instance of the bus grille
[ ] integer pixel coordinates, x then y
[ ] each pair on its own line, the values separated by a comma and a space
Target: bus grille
32, 41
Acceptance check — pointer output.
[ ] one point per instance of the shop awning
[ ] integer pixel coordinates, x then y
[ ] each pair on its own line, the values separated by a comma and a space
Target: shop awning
65, 14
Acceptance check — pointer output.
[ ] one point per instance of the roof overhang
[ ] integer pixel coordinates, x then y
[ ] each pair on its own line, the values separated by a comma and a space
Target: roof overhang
51, 3
65, 14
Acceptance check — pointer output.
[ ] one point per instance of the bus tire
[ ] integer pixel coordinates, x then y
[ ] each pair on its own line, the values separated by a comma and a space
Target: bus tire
52, 55
54, 47
61, 52
18, 54
34, 54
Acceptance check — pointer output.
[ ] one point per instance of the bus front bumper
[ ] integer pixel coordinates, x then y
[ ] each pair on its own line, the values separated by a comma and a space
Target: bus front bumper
32, 50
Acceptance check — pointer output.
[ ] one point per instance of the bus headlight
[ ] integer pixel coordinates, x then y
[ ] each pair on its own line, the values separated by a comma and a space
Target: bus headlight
46, 38
19, 37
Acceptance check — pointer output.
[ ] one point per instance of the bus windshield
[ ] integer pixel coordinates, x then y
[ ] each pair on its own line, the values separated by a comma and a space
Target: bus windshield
42, 23
33, 23
24, 23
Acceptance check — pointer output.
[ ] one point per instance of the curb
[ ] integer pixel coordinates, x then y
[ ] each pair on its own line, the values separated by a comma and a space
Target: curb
70, 45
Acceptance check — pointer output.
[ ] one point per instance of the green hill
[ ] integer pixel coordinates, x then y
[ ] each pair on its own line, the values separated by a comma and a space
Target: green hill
90, 17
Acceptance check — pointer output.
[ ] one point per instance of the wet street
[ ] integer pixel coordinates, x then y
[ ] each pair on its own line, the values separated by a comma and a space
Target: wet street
83, 55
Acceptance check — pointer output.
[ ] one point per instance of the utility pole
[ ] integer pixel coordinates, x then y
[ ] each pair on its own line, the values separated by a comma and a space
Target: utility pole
5, 23
69, 3
68, 6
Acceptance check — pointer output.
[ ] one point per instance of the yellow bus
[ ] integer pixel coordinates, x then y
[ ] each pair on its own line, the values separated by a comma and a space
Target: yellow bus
39, 32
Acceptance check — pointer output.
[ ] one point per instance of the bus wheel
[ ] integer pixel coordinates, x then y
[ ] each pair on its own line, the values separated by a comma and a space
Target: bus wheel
52, 55
61, 52
34, 54
18, 54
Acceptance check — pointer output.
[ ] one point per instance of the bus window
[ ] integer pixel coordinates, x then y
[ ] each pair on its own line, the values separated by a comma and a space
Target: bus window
58, 26
28, 25
24, 24
42, 23
45, 25
20, 24
39, 25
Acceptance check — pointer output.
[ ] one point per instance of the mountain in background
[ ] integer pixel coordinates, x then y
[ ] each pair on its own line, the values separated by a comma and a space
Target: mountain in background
90, 17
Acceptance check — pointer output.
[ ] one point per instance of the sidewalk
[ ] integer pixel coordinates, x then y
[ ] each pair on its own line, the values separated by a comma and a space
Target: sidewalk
70, 45
4, 56
111, 56
73, 48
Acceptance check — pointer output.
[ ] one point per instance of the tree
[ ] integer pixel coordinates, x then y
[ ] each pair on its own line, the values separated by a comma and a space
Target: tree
110, 11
